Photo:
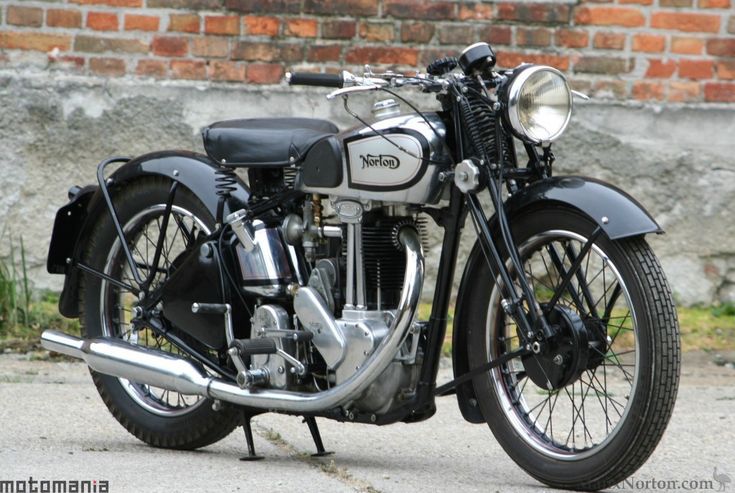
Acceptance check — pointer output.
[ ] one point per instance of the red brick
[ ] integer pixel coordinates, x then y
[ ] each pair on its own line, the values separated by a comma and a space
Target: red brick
170, 46
341, 7
412, 9
260, 25
184, 23
417, 32
387, 55
640, 2
324, 53
301, 28
475, 11
695, 69
112, 3
268, 52
645, 90
731, 25
726, 69
94, 44
63, 18
687, 46
680, 92
649, 43
675, 3
610, 16
151, 68
687, 22
609, 89
34, 41
602, 65
222, 24
723, 92
509, 59
457, 34
660, 69
226, 71
721, 47
377, 31
609, 41
189, 69
547, 13
338, 29
714, 4
264, 73
107, 66
533, 36
68, 62
210, 47
249, 6
24, 16
572, 38
496, 35
102, 21
135, 22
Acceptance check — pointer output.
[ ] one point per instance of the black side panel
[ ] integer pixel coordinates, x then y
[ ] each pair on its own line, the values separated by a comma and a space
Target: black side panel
196, 279
323, 164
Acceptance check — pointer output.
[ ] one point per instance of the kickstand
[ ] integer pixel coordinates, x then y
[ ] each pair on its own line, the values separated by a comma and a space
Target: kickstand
316, 436
249, 438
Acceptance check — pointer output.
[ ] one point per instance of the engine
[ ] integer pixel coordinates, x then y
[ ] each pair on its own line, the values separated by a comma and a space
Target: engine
316, 332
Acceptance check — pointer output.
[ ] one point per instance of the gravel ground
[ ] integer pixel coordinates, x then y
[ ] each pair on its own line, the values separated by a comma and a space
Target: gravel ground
53, 426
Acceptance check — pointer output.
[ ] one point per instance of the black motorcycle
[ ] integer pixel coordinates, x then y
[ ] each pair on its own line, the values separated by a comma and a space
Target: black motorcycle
205, 301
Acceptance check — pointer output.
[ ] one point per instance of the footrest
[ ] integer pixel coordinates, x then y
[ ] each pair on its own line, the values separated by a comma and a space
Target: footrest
261, 345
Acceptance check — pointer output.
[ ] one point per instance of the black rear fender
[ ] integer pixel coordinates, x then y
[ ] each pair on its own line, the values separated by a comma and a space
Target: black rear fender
617, 213
76, 219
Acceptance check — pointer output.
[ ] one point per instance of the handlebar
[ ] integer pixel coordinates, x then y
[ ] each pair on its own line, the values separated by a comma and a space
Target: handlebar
312, 79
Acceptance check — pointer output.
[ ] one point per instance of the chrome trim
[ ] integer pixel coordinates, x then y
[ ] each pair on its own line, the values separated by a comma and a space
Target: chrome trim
118, 358
514, 90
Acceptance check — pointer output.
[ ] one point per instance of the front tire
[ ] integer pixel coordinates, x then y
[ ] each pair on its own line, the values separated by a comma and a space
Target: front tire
155, 416
566, 437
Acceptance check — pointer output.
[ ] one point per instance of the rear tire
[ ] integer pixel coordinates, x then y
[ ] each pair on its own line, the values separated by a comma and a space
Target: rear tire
154, 418
615, 446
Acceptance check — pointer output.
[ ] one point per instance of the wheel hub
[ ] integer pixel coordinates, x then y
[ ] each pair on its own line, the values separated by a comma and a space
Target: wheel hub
568, 354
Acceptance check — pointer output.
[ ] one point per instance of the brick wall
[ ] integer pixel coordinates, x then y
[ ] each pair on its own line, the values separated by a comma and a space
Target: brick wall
660, 50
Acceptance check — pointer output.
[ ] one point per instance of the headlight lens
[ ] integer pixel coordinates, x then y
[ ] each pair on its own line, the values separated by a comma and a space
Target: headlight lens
539, 103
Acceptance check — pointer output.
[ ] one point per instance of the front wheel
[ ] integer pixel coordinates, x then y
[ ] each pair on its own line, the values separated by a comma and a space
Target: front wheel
587, 411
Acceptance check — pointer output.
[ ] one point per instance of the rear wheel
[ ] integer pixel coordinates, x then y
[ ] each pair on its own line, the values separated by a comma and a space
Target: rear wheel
156, 416
589, 410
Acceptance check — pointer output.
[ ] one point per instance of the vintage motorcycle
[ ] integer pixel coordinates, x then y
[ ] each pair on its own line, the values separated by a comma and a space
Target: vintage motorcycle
205, 301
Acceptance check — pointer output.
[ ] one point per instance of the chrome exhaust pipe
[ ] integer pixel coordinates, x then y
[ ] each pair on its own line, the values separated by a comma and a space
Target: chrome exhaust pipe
121, 359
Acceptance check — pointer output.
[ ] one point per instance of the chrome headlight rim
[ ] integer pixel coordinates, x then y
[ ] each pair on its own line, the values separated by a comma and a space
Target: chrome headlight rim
511, 112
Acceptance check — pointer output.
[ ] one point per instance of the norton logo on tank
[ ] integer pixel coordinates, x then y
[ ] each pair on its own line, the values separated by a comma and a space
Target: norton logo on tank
381, 161
376, 162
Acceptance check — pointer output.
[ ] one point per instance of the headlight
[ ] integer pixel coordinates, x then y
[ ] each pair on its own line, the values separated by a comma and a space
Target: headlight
538, 104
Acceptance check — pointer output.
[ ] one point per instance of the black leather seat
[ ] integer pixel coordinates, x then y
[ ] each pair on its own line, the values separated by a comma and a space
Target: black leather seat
264, 142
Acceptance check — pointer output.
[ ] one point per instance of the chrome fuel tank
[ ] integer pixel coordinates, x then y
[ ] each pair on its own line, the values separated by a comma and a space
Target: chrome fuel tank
401, 166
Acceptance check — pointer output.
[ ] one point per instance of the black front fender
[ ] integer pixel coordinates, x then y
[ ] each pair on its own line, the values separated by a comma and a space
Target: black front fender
617, 213
75, 220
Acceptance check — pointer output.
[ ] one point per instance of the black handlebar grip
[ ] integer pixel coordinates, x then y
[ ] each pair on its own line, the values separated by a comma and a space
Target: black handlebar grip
207, 308
309, 79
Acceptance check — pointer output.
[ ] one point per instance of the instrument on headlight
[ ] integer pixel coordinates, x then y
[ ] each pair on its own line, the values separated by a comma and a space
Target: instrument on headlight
538, 103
